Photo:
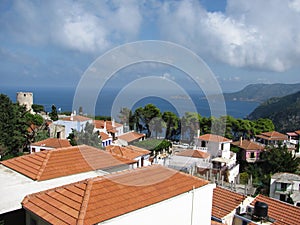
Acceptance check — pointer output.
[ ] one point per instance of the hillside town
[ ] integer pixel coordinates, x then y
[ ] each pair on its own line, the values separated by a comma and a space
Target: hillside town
111, 179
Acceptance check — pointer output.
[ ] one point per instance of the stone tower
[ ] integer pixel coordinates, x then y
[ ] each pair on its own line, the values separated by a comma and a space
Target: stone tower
25, 98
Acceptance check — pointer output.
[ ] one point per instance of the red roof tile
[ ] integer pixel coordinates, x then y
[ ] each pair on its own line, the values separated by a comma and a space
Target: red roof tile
297, 132
131, 136
99, 124
130, 152
272, 135
213, 138
76, 118
63, 162
248, 145
194, 154
53, 143
225, 201
283, 213
99, 199
104, 136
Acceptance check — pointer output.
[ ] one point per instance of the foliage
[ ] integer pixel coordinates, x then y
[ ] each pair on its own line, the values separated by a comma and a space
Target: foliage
38, 108
126, 117
41, 135
53, 114
86, 136
13, 125
190, 124
154, 144
108, 118
172, 124
244, 176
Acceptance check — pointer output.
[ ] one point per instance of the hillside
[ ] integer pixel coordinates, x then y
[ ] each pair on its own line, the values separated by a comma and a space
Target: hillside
284, 112
262, 92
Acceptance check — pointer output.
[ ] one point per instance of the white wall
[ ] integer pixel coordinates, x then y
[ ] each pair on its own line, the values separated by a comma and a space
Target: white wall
38, 148
180, 210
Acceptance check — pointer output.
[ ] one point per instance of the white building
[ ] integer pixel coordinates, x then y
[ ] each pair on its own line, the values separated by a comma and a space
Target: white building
148, 195
285, 185
73, 122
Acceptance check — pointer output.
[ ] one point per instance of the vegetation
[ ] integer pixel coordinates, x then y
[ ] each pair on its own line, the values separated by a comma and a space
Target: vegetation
154, 145
284, 112
274, 160
38, 108
53, 114
263, 92
86, 136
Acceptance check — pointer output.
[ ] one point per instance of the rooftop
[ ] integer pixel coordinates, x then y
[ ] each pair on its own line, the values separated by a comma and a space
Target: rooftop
131, 136
248, 145
102, 198
213, 138
286, 177
283, 213
76, 118
52, 143
63, 162
130, 152
225, 201
194, 154
273, 135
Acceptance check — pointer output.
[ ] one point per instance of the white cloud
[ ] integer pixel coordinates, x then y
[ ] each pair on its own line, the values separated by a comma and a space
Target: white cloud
256, 34
87, 26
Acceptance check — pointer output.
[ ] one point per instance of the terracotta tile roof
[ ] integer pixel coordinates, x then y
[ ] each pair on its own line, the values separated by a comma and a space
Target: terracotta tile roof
216, 223
283, 213
76, 118
213, 138
104, 136
131, 136
248, 145
273, 135
129, 152
53, 143
194, 154
297, 132
99, 199
225, 201
99, 124
61, 162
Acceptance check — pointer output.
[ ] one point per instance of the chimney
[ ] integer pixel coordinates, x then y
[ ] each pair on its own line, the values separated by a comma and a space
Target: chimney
241, 141
198, 133
113, 122
71, 118
105, 125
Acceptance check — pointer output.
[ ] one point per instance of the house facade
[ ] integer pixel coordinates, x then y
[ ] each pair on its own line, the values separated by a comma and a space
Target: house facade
73, 122
249, 150
284, 186
273, 138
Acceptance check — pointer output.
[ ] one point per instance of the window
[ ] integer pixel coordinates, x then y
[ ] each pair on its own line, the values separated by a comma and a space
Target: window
203, 144
33, 149
252, 155
58, 134
282, 198
283, 186
222, 146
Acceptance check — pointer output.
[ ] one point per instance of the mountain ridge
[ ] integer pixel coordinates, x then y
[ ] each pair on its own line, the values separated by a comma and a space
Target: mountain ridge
262, 92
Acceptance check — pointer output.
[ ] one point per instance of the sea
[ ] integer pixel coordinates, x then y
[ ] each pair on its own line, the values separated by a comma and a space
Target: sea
62, 98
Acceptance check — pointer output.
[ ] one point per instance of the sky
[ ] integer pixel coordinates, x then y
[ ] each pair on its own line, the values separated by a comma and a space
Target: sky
52, 43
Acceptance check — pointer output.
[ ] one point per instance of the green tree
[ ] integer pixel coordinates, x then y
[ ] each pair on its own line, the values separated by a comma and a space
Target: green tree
13, 126
86, 136
126, 117
38, 108
190, 124
53, 114
156, 125
172, 124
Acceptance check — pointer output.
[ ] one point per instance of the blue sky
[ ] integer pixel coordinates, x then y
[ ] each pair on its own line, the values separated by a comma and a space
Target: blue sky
52, 43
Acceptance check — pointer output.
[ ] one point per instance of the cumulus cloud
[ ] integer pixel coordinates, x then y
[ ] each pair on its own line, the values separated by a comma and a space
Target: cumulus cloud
87, 26
256, 34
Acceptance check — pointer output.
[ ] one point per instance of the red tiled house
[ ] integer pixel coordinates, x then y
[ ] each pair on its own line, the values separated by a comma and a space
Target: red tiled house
28, 174
130, 137
249, 150
147, 195
48, 144
271, 138
131, 152
111, 128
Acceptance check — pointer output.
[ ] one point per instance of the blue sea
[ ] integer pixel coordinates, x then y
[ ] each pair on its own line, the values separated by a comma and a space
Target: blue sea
62, 98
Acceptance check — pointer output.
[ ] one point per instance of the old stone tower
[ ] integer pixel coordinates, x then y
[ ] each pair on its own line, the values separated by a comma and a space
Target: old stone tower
25, 98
